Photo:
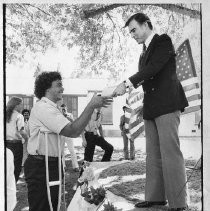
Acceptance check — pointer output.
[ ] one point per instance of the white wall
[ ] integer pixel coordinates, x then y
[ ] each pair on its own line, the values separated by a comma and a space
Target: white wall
82, 102
187, 125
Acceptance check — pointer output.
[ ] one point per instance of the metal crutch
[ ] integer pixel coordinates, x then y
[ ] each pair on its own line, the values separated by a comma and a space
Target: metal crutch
53, 183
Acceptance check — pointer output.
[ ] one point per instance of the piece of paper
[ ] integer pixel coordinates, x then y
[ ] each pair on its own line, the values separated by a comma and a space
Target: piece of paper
108, 91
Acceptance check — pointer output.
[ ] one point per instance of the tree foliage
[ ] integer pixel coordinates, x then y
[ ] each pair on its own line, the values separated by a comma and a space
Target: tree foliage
96, 29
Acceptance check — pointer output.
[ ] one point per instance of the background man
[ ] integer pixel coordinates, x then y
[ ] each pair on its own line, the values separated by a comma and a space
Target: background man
45, 115
164, 100
91, 138
125, 139
26, 115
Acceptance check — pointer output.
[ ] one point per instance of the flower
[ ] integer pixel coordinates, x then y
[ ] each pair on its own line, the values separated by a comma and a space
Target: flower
95, 196
109, 207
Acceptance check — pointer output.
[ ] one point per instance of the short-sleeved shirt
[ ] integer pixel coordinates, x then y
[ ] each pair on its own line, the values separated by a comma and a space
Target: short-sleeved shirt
14, 126
94, 123
45, 116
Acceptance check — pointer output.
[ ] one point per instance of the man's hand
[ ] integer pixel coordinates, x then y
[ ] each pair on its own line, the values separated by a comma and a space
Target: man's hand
98, 101
120, 90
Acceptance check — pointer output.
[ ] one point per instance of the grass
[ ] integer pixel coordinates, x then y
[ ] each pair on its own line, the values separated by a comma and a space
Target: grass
129, 189
134, 189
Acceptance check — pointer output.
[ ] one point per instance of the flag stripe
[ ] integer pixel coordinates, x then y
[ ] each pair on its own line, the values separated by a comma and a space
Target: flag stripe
135, 106
134, 123
138, 132
193, 98
135, 128
192, 92
191, 109
190, 87
195, 103
189, 81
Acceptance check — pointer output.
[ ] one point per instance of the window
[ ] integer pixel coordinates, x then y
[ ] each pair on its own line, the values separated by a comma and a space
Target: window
107, 117
71, 102
27, 102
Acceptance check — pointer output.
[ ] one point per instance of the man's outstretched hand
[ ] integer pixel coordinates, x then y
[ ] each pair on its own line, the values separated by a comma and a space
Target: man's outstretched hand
120, 90
98, 101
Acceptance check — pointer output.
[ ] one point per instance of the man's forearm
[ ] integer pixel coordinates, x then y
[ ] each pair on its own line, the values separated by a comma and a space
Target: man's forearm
76, 127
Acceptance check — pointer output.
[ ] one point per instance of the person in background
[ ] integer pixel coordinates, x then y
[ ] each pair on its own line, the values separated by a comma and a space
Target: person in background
70, 141
46, 116
15, 132
164, 100
125, 139
26, 115
91, 138
11, 184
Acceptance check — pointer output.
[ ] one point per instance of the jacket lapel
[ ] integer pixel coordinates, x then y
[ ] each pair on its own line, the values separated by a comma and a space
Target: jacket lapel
148, 51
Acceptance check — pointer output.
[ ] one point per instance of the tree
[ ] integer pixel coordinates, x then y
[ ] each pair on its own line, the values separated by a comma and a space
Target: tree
105, 47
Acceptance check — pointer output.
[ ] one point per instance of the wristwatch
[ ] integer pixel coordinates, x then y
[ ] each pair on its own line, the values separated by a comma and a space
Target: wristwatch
126, 85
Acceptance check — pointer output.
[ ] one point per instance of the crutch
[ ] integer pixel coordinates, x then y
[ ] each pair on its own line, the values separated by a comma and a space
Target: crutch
53, 183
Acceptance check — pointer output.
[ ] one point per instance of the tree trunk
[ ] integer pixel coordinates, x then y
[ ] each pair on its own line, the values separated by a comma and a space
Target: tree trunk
171, 7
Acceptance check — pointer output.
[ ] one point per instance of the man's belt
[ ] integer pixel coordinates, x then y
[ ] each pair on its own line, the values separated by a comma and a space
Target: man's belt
14, 141
42, 157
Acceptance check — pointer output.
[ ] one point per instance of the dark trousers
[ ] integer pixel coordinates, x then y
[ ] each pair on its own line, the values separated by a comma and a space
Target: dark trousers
92, 141
35, 176
17, 150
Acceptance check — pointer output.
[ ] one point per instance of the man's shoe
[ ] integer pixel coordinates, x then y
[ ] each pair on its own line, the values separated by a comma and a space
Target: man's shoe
150, 203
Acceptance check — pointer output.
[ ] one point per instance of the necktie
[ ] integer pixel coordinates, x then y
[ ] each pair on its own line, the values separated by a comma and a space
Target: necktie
142, 54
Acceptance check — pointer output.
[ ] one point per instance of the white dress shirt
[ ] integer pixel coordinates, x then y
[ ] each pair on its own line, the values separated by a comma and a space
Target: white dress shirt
14, 126
147, 42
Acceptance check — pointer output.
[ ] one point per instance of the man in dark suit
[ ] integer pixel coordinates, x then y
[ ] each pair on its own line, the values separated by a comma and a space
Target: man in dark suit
164, 100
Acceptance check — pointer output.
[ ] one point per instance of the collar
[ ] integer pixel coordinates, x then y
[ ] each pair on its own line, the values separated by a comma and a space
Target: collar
149, 39
47, 100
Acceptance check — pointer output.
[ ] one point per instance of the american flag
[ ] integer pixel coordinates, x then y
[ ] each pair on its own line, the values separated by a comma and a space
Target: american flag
134, 123
187, 75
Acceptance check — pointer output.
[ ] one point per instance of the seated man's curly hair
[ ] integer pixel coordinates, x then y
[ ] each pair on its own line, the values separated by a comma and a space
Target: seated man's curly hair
44, 82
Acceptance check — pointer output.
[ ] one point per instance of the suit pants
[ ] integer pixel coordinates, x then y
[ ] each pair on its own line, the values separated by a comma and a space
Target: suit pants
35, 176
92, 141
125, 149
165, 169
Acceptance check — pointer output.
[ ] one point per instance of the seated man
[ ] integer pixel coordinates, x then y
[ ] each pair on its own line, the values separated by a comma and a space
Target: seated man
91, 138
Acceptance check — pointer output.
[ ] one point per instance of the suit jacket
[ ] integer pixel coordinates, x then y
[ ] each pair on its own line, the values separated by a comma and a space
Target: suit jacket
163, 92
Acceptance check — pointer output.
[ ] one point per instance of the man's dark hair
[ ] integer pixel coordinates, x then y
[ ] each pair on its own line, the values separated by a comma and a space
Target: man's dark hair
124, 107
140, 18
44, 82
25, 110
63, 105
